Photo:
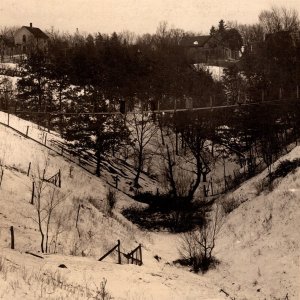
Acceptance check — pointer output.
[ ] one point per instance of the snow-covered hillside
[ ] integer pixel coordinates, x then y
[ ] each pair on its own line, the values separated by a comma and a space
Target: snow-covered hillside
258, 245
25, 276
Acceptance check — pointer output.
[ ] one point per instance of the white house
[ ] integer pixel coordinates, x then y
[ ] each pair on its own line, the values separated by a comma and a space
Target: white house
29, 38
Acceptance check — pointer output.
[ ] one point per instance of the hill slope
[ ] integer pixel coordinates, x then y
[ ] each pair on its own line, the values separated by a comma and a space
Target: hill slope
258, 246
31, 277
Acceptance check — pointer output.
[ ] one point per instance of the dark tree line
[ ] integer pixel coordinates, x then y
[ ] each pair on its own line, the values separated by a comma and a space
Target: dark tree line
99, 73
270, 64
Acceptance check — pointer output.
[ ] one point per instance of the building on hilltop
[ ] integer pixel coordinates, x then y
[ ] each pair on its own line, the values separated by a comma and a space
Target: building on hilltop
28, 39
215, 50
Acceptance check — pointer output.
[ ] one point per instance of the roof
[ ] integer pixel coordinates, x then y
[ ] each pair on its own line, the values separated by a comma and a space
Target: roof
195, 41
38, 33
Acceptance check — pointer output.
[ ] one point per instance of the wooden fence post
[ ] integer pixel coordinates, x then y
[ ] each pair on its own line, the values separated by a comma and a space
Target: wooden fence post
29, 167
119, 252
32, 193
1, 176
27, 131
59, 178
118, 248
77, 218
141, 258
46, 138
12, 237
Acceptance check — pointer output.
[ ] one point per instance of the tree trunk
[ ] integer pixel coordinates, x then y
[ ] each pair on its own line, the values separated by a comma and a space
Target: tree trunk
42, 240
139, 168
197, 181
171, 175
161, 131
47, 230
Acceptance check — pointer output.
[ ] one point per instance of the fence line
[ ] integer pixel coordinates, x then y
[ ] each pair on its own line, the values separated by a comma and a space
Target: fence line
133, 257
58, 152
283, 101
65, 153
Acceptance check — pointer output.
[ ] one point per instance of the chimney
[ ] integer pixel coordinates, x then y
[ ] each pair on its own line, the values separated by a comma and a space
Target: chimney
30, 24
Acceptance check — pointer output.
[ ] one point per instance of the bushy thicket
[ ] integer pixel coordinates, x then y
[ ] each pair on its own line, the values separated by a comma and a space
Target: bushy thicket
177, 214
284, 168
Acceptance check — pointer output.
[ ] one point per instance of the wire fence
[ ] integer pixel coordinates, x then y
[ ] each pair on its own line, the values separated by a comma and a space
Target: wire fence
282, 101
85, 160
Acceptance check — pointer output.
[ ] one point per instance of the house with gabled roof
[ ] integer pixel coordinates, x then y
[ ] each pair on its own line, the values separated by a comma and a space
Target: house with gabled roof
209, 49
29, 38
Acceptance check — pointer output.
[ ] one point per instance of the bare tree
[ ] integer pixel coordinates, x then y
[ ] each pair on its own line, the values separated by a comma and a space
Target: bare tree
127, 37
279, 19
196, 138
142, 131
55, 198
46, 199
6, 87
177, 169
197, 246
58, 228
8, 31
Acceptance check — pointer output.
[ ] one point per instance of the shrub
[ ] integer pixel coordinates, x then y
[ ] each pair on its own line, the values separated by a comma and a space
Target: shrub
235, 181
260, 186
196, 247
229, 205
284, 168
177, 214
111, 201
102, 293
97, 203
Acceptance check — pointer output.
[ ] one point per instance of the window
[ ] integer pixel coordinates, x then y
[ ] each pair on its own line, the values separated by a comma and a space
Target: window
24, 38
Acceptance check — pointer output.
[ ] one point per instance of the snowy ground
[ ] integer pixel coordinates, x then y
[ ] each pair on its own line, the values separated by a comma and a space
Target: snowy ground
258, 246
23, 275
153, 280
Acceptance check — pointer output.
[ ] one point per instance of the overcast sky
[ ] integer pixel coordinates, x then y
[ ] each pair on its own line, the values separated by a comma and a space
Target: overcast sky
139, 16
